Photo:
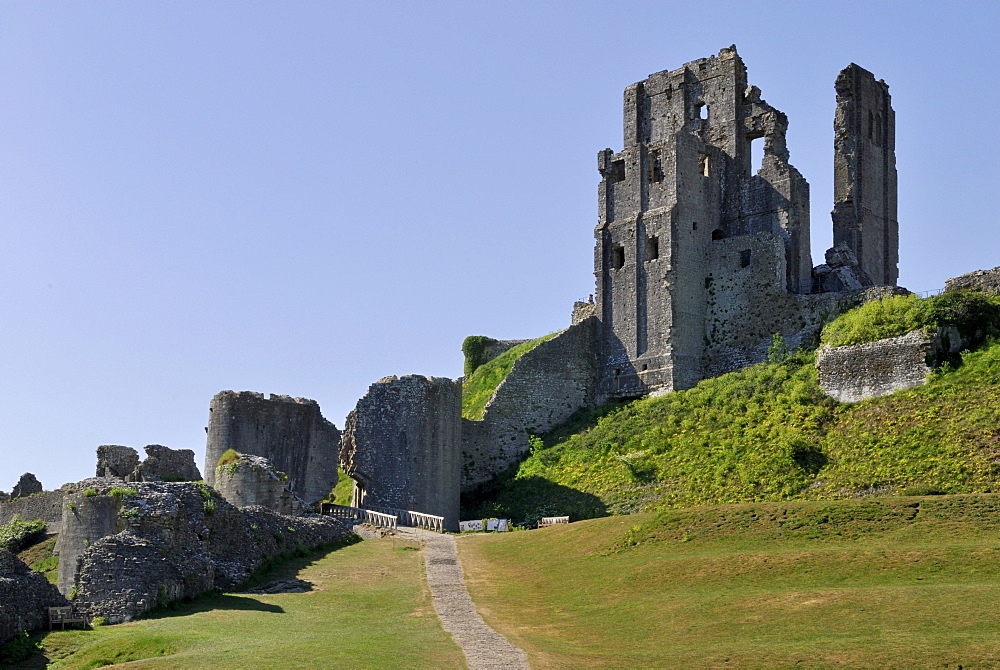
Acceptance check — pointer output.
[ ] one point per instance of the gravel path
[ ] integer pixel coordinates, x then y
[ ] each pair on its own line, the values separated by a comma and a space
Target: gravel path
485, 649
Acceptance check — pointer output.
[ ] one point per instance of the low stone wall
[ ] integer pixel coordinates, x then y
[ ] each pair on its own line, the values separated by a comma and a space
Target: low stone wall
24, 595
121, 556
46, 506
544, 388
987, 281
874, 369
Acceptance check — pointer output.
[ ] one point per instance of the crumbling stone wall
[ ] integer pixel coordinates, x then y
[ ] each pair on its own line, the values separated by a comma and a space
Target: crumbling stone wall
161, 464
253, 480
27, 485
402, 446
862, 371
115, 460
166, 464
46, 506
290, 432
543, 389
582, 311
987, 281
864, 166
24, 595
124, 555
682, 203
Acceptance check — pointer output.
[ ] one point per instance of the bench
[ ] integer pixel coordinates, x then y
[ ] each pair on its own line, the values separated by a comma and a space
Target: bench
65, 615
552, 521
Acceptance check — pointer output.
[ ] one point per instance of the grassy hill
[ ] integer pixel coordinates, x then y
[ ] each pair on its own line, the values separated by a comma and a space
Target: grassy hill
887, 583
765, 433
482, 381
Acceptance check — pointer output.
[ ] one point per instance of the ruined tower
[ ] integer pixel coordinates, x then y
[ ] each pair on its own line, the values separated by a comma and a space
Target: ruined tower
290, 432
864, 163
402, 446
681, 199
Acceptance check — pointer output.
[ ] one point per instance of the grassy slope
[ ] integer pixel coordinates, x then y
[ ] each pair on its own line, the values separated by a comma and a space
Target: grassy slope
890, 582
370, 607
40, 558
765, 433
479, 387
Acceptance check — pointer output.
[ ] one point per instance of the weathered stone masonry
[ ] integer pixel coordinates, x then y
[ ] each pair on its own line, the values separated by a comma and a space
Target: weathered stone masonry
699, 259
290, 432
543, 389
402, 446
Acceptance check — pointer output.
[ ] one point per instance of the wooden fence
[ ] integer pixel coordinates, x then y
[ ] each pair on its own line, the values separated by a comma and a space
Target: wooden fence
386, 517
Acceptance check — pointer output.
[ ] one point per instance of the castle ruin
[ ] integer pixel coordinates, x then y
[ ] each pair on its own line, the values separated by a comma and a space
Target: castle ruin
700, 257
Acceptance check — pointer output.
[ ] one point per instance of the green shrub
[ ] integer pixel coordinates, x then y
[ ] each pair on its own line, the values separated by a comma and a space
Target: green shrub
474, 348
89, 493
974, 314
120, 492
227, 457
18, 534
19, 649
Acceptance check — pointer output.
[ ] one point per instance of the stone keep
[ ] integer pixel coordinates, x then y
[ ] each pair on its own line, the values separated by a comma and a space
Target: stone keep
695, 245
402, 446
290, 432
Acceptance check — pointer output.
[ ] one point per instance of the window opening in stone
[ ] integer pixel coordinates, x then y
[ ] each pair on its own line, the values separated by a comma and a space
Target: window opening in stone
703, 165
617, 171
618, 257
717, 234
756, 155
694, 226
644, 367
702, 110
655, 170
871, 126
652, 248
745, 258
878, 130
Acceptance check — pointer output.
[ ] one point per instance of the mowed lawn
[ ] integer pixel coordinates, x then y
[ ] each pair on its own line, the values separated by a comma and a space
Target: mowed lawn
370, 607
892, 583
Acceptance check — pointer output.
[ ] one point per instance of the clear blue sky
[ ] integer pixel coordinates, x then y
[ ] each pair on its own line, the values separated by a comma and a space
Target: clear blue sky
301, 198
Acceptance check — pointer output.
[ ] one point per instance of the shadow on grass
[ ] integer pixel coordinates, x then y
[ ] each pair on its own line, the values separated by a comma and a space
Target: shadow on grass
214, 601
278, 567
528, 499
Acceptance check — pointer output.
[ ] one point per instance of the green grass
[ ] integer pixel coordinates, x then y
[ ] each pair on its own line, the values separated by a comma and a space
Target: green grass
19, 533
480, 386
370, 608
765, 433
40, 558
891, 582
342, 491
969, 311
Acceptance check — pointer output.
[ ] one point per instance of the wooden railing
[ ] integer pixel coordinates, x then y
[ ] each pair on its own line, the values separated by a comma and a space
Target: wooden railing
414, 519
426, 521
386, 517
380, 519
